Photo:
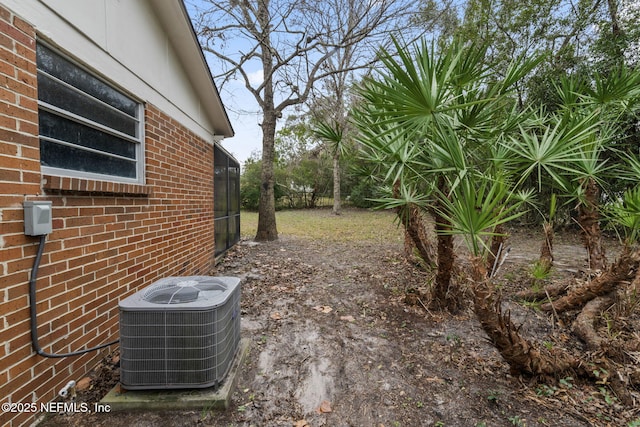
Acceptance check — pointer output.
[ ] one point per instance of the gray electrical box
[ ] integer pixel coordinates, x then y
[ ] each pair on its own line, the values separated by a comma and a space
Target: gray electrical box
37, 218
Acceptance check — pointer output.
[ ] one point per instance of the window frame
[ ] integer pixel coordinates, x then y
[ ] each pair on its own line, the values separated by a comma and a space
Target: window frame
139, 123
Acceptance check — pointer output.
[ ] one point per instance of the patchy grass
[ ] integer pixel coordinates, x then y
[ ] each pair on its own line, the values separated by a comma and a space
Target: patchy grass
319, 224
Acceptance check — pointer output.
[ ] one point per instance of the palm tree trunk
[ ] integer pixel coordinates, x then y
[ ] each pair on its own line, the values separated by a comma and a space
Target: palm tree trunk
445, 295
623, 270
550, 291
546, 249
521, 355
415, 230
497, 246
585, 324
589, 220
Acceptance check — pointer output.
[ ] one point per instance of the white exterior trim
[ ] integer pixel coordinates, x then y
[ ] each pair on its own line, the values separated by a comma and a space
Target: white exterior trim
146, 47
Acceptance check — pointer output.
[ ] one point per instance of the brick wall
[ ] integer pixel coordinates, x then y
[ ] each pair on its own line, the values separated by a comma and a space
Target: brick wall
108, 241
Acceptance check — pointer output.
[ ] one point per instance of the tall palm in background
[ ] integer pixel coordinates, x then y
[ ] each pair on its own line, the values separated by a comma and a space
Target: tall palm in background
332, 133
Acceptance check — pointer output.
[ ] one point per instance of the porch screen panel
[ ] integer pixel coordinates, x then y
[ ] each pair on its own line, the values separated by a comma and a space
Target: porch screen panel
226, 200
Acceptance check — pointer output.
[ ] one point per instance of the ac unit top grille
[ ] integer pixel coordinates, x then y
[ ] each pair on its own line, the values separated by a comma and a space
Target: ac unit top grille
183, 293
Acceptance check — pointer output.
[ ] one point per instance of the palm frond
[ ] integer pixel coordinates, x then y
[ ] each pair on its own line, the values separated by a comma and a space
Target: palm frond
331, 133
619, 86
554, 156
624, 215
476, 207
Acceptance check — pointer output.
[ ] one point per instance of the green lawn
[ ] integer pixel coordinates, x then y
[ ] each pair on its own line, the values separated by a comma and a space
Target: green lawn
319, 224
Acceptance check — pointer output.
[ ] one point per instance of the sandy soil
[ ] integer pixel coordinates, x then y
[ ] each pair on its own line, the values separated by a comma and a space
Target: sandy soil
335, 343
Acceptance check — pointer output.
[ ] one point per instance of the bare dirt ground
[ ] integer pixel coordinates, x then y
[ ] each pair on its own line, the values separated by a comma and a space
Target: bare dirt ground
334, 342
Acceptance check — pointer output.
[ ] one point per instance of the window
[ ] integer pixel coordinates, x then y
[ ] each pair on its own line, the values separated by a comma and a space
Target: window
226, 200
88, 128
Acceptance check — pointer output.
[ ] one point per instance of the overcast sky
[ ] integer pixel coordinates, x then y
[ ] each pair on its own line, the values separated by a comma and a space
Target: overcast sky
243, 112
244, 115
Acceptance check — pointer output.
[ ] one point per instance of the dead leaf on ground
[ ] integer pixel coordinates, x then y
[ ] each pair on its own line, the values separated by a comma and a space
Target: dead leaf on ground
276, 315
325, 407
348, 318
301, 423
323, 308
83, 384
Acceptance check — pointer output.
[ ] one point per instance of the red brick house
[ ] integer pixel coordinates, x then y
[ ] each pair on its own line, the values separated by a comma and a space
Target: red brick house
109, 112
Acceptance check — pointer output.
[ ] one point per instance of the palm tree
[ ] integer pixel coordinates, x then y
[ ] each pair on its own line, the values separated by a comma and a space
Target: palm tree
573, 152
428, 120
332, 134
609, 97
558, 153
447, 137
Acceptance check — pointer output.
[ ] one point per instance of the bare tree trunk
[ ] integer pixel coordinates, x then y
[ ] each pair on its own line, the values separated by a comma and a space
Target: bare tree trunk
267, 229
616, 30
312, 199
337, 207
589, 220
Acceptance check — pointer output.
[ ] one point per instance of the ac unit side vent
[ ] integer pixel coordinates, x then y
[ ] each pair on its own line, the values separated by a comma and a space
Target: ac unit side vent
180, 332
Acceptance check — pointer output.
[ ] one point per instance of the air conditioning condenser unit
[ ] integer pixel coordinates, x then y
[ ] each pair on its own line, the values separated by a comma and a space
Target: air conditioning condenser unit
180, 332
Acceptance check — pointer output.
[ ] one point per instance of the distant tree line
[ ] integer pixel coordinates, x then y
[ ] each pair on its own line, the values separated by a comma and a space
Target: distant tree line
303, 173
312, 55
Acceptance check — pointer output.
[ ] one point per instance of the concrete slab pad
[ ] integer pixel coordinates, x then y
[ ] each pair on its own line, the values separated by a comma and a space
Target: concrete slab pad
120, 399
